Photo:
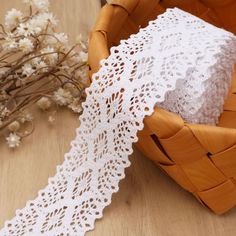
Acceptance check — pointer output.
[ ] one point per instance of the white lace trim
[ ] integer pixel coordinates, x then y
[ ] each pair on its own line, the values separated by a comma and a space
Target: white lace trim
161, 64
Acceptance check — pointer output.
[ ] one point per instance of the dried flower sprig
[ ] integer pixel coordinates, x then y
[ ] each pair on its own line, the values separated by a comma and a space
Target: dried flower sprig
37, 66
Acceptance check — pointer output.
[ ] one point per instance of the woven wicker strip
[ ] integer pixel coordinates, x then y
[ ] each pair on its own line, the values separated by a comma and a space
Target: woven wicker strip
200, 158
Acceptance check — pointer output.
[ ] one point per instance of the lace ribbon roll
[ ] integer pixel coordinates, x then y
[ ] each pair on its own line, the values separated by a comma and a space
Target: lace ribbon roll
176, 59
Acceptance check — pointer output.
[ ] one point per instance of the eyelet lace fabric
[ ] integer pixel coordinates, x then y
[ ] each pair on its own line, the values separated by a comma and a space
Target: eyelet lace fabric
178, 62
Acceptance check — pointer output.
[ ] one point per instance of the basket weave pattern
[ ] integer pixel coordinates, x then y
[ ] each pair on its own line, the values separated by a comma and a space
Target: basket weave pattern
200, 158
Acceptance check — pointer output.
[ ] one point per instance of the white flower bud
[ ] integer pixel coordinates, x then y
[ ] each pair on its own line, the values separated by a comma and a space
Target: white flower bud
13, 140
44, 103
51, 119
14, 126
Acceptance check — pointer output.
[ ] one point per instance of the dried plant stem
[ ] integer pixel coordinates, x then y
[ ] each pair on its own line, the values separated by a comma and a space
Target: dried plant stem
37, 66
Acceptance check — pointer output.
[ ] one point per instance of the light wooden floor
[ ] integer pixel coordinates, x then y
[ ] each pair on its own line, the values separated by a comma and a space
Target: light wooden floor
148, 203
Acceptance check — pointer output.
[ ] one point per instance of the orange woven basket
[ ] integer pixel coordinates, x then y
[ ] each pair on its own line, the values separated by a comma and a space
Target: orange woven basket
200, 158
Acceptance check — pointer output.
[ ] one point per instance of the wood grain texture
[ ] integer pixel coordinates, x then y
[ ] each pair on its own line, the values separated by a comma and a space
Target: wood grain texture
148, 203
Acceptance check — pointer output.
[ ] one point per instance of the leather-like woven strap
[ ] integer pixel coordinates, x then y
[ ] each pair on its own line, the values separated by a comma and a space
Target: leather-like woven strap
129, 6
198, 157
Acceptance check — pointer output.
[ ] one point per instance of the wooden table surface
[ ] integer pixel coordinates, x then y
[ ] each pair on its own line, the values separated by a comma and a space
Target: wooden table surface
148, 203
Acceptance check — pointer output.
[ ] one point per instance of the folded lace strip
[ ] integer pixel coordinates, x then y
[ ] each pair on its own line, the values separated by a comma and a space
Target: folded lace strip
171, 62
200, 96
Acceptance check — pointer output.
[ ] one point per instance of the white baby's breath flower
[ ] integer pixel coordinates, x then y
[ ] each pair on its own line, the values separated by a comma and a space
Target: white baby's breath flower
26, 45
10, 35
29, 117
82, 74
26, 117
41, 5
9, 44
13, 17
75, 59
62, 37
27, 69
36, 60
42, 66
25, 29
49, 17
62, 97
51, 56
83, 56
39, 64
76, 105
44, 103
51, 119
14, 126
13, 140
4, 111
38, 24
72, 88
50, 40
57, 40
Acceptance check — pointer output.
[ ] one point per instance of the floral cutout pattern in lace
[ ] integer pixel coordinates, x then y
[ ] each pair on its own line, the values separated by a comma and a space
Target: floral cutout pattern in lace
174, 62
